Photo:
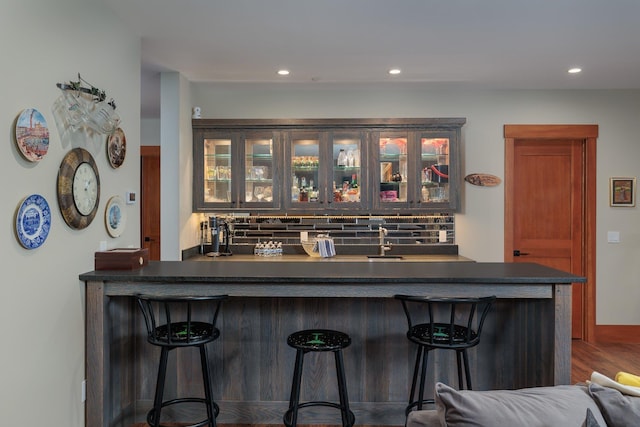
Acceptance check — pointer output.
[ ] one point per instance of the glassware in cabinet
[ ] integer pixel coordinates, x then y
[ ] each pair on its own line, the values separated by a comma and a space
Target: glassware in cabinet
217, 171
305, 168
393, 168
347, 178
434, 170
259, 171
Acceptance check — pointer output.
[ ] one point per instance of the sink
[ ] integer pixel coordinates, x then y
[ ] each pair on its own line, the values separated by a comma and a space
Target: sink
384, 257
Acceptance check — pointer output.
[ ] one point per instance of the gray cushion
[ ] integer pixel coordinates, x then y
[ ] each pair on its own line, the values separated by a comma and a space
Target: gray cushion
617, 409
424, 418
564, 405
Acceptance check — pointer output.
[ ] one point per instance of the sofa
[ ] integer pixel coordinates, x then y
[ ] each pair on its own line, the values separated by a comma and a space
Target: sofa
588, 405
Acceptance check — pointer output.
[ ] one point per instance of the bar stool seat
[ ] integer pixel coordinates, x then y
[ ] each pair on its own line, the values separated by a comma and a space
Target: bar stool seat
170, 325
442, 323
318, 340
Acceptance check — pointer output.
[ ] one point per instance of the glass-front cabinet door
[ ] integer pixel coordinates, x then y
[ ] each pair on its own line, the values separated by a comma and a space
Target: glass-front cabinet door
260, 187
393, 183
304, 184
218, 171
434, 170
345, 191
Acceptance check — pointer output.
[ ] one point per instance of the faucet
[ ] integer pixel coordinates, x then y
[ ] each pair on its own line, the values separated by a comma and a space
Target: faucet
382, 247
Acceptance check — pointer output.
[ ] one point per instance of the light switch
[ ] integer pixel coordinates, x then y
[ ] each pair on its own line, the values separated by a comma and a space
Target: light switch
613, 236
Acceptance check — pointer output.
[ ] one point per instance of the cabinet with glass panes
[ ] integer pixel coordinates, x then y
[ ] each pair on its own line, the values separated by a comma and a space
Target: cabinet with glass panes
327, 165
416, 169
235, 169
326, 170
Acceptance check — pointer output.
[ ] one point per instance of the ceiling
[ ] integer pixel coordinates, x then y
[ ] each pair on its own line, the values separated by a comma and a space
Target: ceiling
484, 44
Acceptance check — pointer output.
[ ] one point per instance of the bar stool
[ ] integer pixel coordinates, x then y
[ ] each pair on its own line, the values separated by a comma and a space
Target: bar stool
171, 324
318, 340
440, 331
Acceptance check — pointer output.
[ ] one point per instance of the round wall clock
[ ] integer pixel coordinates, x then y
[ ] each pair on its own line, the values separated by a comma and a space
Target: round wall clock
114, 216
78, 188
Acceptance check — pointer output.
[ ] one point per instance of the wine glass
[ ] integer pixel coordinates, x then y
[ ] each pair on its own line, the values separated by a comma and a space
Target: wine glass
259, 193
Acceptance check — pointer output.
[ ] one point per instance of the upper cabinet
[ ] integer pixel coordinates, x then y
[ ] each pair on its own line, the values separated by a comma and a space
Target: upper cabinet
325, 170
416, 170
236, 169
327, 166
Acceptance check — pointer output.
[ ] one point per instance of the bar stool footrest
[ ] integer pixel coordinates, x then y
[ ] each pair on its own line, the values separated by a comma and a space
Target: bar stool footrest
289, 413
216, 410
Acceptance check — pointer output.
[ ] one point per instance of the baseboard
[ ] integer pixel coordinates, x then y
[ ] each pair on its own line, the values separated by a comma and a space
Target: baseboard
628, 334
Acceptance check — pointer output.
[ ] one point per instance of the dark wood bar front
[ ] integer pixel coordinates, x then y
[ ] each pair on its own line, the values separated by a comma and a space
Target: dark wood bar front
526, 339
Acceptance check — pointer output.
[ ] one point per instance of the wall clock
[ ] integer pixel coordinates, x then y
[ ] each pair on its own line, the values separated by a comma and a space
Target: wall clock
78, 188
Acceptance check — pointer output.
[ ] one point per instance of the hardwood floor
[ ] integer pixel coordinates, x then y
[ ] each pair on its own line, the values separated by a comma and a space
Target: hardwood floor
606, 358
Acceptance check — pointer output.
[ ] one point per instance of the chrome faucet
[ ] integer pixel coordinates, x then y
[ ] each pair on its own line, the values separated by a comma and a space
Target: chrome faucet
382, 247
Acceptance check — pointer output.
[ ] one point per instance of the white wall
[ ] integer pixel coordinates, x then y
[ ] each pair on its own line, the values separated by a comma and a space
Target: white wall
479, 226
41, 299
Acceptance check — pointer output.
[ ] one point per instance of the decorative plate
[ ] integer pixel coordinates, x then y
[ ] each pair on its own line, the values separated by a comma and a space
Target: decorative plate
116, 148
115, 218
32, 135
33, 221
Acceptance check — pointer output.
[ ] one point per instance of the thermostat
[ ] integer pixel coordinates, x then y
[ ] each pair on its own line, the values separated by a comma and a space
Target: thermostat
130, 197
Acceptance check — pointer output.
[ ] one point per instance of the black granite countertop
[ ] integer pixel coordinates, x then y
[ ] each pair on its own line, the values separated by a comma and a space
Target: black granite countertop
334, 271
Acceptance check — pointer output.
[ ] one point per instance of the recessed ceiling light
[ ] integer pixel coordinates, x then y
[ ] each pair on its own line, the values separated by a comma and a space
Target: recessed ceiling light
395, 71
575, 70
283, 72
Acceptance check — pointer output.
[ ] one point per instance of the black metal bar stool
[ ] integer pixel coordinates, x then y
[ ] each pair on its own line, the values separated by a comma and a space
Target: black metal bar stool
171, 324
439, 330
318, 340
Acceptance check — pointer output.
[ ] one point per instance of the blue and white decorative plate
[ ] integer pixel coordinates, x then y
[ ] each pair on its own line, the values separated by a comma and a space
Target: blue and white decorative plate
33, 221
115, 218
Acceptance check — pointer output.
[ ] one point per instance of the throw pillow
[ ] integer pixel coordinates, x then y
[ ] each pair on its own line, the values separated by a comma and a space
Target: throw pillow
591, 420
563, 405
617, 409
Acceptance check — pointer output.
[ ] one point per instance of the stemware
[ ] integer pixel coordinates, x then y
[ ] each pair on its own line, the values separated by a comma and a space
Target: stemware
259, 193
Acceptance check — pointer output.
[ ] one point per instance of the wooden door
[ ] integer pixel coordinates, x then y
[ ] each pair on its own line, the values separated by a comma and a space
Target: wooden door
150, 200
547, 211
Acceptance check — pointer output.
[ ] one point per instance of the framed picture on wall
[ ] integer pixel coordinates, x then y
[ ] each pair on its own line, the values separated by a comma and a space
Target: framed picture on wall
622, 191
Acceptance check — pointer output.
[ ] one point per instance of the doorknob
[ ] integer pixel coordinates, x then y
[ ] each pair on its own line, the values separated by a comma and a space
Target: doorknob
518, 253
148, 239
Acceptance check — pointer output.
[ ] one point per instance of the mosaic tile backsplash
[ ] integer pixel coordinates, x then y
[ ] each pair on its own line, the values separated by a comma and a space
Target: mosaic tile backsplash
433, 233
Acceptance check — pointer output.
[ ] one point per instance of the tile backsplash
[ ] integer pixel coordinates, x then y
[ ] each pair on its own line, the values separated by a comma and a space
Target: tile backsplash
346, 230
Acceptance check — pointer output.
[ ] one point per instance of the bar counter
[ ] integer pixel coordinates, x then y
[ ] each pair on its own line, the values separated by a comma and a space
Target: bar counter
526, 340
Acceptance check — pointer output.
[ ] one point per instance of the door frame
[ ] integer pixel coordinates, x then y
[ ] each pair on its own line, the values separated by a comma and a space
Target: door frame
588, 134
